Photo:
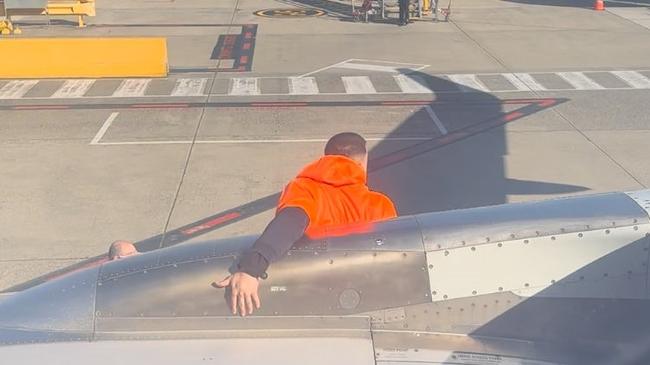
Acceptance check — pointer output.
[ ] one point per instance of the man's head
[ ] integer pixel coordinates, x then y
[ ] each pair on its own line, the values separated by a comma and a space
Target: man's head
350, 145
121, 249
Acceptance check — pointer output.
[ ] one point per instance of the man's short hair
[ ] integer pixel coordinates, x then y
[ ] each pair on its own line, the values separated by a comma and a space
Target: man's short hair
116, 250
347, 144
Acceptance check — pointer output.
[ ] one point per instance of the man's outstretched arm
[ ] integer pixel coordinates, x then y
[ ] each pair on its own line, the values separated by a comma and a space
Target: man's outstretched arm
278, 237
280, 234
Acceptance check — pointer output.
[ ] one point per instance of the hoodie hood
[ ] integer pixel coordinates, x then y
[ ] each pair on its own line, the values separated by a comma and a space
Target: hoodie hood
334, 170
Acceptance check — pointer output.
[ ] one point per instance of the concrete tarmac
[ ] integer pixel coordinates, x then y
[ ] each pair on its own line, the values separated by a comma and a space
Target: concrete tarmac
87, 163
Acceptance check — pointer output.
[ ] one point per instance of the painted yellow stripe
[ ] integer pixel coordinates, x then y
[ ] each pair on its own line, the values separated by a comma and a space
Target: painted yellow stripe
83, 57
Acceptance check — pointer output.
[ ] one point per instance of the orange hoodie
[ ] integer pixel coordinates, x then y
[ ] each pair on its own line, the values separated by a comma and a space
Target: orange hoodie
333, 192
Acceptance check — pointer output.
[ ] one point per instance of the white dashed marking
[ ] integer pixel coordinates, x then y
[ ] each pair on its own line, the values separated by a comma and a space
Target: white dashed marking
358, 85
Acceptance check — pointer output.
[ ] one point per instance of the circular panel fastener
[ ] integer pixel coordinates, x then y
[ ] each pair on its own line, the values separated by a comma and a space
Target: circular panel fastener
349, 299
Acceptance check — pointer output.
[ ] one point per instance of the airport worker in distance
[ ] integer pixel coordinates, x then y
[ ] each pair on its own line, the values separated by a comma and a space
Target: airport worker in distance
328, 192
404, 12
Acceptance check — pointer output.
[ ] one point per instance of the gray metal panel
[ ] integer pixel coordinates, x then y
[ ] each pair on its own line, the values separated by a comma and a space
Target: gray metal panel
136, 324
65, 304
641, 197
193, 251
401, 234
182, 289
596, 264
600, 323
10, 337
572, 321
231, 327
188, 252
506, 222
404, 347
174, 281
296, 350
343, 282
128, 265
461, 316
26, 4
303, 283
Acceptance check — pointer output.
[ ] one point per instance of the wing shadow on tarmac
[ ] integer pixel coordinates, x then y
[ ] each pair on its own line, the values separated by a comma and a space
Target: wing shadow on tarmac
465, 170
460, 169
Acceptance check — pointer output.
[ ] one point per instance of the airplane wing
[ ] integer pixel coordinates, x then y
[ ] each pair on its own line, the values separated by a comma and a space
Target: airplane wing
562, 281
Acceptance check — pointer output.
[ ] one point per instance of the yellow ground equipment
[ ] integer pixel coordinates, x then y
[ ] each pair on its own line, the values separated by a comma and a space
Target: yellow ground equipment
6, 28
83, 57
9, 8
79, 8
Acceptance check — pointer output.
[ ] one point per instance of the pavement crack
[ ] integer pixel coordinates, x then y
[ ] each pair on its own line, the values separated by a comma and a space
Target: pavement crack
599, 148
196, 133
478, 44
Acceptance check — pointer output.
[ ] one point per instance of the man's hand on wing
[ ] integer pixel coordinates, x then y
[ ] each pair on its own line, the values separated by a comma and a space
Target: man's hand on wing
243, 292
282, 232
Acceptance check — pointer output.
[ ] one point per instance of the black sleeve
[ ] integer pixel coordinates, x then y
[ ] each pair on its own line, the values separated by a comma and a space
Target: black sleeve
282, 232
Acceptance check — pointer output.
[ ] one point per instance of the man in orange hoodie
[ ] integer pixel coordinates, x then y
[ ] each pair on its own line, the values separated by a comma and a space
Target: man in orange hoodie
330, 191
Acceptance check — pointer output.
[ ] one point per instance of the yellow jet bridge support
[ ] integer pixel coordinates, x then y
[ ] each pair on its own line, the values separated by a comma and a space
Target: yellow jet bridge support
79, 8
9, 8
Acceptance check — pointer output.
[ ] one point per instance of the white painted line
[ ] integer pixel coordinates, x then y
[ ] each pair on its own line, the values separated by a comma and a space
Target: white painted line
410, 67
378, 68
634, 79
358, 85
104, 128
468, 82
16, 89
189, 87
252, 141
143, 143
303, 86
225, 96
324, 68
132, 88
514, 80
580, 81
436, 120
73, 89
412, 84
529, 81
244, 86
418, 68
